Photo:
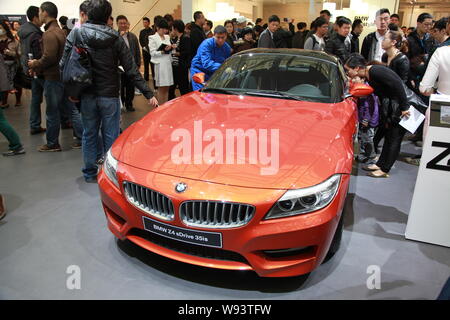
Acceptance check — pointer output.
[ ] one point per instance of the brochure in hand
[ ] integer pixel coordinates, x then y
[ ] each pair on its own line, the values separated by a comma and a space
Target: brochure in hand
162, 48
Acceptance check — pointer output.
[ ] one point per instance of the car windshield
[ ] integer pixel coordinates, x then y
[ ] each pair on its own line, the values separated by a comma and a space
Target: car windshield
284, 76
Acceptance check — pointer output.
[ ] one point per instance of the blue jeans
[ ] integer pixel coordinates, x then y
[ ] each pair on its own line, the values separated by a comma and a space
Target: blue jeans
100, 151
37, 91
76, 118
366, 148
98, 113
54, 96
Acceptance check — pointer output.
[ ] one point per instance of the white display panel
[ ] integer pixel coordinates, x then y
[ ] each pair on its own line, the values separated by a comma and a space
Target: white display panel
429, 217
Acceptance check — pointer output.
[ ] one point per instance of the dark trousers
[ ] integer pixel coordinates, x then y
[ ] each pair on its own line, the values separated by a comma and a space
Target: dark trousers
37, 92
127, 91
180, 81
379, 135
77, 126
54, 97
152, 67
65, 116
146, 56
18, 95
391, 148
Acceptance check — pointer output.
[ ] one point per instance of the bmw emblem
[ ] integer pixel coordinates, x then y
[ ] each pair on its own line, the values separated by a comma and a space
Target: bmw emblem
181, 187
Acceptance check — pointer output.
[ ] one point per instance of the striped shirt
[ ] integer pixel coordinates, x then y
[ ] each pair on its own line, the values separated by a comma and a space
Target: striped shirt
175, 59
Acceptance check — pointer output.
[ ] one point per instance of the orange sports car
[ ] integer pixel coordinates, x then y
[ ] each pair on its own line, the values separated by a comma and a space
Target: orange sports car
249, 173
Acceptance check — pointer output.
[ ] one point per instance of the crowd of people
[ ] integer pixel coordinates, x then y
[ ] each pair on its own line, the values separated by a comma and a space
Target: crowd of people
392, 59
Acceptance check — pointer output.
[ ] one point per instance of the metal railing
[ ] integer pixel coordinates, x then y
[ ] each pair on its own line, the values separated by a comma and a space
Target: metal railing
144, 15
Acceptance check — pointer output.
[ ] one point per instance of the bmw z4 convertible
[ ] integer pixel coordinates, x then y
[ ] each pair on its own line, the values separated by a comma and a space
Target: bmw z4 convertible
249, 173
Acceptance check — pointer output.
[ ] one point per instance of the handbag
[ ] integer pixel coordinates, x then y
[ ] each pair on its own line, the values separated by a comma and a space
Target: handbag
415, 100
77, 72
391, 112
21, 79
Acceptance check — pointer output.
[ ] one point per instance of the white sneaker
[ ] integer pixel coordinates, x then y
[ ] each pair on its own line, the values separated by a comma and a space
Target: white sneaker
137, 92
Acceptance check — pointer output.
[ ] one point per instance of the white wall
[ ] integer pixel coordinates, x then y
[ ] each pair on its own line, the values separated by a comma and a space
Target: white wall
242, 7
410, 16
136, 11
70, 8
67, 8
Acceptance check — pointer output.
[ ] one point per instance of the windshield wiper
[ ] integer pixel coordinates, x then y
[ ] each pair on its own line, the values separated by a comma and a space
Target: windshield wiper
271, 93
219, 90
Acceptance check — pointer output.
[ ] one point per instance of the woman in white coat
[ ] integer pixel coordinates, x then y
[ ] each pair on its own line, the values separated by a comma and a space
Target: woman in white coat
437, 76
160, 51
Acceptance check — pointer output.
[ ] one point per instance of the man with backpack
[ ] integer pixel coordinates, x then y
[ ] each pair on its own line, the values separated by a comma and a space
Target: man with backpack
100, 102
317, 40
30, 36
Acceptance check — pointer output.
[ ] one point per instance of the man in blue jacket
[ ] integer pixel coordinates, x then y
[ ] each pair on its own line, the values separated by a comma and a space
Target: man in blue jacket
210, 55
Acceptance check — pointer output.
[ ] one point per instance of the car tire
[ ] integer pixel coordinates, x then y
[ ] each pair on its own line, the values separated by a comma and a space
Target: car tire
336, 242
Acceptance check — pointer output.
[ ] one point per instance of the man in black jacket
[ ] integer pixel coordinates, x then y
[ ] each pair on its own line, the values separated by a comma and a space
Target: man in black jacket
143, 40
181, 60
371, 49
30, 36
100, 106
266, 38
357, 29
63, 22
298, 41
337, 45
420, 41
327, 16
127, 91
420, 45
197, 33
282, 38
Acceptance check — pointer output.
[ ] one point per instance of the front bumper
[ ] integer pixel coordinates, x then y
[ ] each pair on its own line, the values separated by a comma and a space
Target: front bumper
251, 247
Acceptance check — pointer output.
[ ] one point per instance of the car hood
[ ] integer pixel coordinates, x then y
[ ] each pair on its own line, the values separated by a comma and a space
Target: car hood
306, 133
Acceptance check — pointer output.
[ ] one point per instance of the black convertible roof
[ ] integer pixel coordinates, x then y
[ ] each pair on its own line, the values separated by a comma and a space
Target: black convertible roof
299, 52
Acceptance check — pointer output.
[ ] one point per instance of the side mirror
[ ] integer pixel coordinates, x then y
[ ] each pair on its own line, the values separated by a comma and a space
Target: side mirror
199, 78
361, 90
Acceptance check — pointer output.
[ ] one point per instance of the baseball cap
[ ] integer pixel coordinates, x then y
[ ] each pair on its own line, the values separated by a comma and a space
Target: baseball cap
241, 19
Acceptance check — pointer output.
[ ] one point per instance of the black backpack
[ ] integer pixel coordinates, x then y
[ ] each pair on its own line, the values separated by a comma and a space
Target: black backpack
314, 40
77, 71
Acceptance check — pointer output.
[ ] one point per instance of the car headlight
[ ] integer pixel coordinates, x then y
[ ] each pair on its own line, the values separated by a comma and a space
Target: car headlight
110, 168
301, 201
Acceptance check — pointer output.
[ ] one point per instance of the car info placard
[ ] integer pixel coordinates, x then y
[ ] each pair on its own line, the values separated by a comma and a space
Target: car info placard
429, 217
203, 238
